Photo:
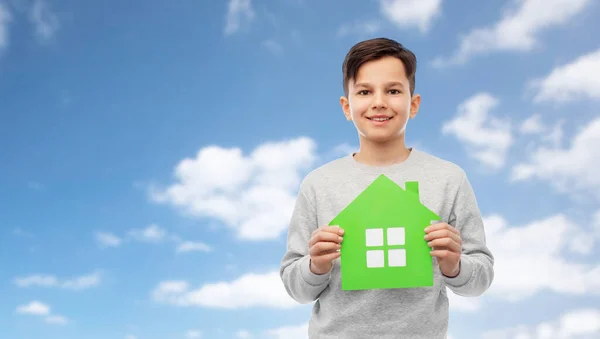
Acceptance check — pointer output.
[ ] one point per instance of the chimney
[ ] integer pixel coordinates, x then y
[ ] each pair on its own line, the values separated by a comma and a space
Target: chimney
413, 187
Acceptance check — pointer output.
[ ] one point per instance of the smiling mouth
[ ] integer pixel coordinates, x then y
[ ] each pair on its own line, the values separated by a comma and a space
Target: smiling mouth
380, 118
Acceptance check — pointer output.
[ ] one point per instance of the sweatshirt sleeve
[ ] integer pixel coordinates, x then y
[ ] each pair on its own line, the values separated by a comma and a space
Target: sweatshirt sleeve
300, 283
477, 262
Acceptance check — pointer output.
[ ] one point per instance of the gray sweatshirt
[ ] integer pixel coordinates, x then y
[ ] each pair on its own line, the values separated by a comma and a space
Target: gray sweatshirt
410, 313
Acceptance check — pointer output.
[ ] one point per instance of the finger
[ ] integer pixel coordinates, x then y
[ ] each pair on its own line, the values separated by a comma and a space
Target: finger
319, 229
328, 236
446, 243
443, 254
444, 233
333, 229
325, 237
328, 228
325, 258
441, 226
323, 247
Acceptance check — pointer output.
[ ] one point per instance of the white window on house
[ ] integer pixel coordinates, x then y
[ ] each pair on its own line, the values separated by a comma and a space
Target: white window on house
378, 245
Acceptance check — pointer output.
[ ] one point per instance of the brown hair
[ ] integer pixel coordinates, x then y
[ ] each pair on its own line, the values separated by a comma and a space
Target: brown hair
374, 49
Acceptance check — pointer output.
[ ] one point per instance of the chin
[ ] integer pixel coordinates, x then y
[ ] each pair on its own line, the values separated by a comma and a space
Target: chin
381, 138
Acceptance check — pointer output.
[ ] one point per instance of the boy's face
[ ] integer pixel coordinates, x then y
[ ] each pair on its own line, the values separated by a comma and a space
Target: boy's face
379, 101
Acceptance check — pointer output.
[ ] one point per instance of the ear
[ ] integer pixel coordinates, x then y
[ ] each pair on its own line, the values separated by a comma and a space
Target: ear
415, 102
345, 103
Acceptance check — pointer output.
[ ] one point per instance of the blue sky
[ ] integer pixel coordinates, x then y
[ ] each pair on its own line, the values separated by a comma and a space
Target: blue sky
151, 155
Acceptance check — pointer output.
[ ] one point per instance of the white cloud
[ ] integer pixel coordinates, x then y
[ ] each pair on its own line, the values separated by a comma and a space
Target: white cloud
359, 28
290, 332
299, 331
190, 246
37, 308
82, 282
34, 308
525, 265
34, 185
151, 234
411, 13
532, 125
57, 320
77, 283
273, 46
344, 150
570, 170
253, 195
37, 280
249, 290
238, 11
243, 334
517, 30
486, 137
575, 324
193, 334
44, 20
19, 232
577, 80
596, 224
463, 304
337, 151
107, 239
5, 19
130, 336
535, 126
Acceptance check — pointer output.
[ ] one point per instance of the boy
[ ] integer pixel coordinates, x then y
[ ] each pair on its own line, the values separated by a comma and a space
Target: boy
379, 83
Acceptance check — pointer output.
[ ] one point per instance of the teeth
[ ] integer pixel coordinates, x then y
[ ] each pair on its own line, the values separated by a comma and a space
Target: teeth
380, 119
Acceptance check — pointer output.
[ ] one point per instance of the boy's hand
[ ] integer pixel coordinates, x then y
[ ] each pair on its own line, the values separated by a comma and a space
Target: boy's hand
447, 247
324, 246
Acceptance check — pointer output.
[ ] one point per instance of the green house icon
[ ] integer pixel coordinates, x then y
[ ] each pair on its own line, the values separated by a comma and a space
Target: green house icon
384, 245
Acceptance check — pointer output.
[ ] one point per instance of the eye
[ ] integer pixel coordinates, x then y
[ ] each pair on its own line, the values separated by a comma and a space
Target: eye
395, 91
363, 92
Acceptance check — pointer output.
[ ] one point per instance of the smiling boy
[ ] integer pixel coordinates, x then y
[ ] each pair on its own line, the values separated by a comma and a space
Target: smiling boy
379, 85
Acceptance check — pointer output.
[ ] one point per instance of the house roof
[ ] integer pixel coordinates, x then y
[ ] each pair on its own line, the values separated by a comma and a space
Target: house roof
382, 196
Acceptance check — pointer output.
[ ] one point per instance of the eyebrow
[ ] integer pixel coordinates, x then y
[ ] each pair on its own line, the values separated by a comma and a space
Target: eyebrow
393, 83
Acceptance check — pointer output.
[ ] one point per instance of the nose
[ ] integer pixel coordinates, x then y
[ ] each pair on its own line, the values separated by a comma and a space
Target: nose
378, 101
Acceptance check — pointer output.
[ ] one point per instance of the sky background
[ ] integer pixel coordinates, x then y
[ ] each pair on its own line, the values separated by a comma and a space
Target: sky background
133, 134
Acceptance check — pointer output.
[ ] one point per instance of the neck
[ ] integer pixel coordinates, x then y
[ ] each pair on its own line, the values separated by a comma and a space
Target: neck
382, 154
